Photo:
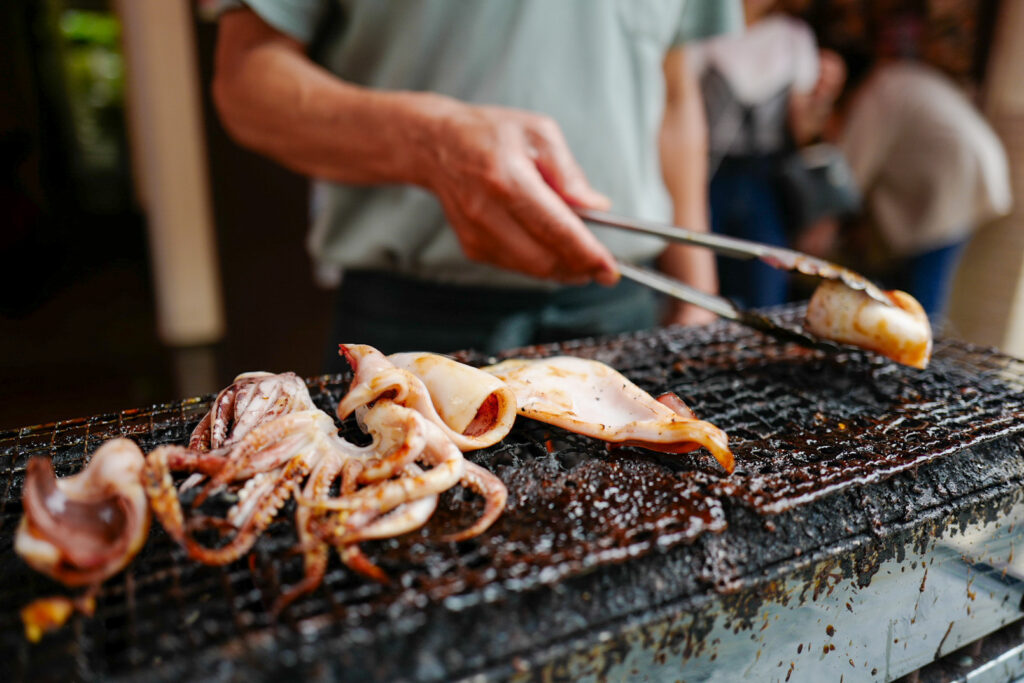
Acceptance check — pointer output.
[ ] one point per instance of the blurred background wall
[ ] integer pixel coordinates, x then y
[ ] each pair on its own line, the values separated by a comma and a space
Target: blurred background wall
92, 102
80, 332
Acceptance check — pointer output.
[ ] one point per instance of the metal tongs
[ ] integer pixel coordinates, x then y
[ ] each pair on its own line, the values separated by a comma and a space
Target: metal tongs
776, 257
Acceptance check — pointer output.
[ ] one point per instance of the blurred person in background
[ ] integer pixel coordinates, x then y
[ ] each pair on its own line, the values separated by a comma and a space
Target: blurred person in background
449, 141
931, 171
768, 91
930, 168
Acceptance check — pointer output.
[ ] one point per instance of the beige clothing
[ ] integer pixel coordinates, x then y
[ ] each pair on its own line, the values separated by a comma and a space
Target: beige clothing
930, 168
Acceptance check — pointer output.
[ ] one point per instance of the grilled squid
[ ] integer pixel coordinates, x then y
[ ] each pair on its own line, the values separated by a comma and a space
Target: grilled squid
475, 405
589, 397
474, 409
80, 530
254, 398
900, 332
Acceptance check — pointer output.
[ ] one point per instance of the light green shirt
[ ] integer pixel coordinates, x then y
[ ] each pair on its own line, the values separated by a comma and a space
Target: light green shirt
595, 66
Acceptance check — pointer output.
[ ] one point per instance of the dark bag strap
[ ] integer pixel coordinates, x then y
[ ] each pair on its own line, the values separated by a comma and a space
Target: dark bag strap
816, 182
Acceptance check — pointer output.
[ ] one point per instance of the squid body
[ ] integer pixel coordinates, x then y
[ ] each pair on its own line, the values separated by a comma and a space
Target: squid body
591, 398
900, 332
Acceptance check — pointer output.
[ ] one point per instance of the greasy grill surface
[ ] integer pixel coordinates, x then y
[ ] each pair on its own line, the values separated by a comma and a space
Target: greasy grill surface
803, 426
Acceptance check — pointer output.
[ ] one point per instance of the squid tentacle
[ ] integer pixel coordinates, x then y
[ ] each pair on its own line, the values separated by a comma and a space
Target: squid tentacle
399, 434
263, 514
357, 561
495, 495
447, 467
314, 551
267, 447
315, 561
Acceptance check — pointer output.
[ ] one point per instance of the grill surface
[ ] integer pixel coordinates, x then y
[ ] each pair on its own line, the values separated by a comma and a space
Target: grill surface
827, 447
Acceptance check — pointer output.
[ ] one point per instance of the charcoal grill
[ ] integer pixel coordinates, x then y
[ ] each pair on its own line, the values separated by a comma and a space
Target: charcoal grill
869, 528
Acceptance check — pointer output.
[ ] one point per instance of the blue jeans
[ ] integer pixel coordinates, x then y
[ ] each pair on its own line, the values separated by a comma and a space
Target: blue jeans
745, 203
928, 277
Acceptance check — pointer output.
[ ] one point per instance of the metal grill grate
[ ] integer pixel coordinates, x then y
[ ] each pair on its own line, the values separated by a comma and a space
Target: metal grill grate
802, 424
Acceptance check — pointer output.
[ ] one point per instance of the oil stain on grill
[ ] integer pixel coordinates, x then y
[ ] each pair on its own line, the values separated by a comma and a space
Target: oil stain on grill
804, 426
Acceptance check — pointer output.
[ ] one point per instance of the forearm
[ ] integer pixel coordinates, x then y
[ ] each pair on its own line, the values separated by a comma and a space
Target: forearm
808, 114
810, 111
504, 177
274, 100
683, 150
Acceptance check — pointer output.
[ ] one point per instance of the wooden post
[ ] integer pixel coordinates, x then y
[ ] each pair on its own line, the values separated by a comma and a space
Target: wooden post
169, 157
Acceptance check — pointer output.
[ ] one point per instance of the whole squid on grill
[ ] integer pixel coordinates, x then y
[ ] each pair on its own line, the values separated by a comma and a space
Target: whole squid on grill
269, 464
591, 398
82, 529
266, 441
900, 332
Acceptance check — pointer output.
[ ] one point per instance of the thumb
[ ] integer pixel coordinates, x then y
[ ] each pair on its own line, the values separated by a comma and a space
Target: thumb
586, 197
576, 190
559, 169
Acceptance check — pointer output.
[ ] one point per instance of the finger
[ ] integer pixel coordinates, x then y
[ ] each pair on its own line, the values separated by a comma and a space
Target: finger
500, 241
544, 215
559, 169
512, 247
488, 233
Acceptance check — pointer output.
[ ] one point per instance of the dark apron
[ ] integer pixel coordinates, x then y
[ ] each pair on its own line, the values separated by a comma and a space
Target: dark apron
397, 313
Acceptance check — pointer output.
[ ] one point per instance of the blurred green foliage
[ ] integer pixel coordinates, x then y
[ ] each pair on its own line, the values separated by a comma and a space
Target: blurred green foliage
91, 28
94, 81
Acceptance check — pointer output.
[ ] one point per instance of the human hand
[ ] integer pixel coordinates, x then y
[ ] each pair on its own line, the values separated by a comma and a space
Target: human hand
831, 76
505, 179
695, 267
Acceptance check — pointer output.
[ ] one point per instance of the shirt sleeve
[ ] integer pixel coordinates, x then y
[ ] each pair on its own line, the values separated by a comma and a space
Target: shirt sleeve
705, 18
805, 58
297, 19
697, 57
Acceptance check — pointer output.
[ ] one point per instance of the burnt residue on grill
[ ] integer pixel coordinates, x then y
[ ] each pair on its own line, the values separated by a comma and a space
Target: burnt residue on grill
830, 449
804, 424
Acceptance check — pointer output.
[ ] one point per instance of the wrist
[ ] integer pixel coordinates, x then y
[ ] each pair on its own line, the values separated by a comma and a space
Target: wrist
423, 121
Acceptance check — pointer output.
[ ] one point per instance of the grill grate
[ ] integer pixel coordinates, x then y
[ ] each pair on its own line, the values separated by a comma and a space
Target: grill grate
802, 424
